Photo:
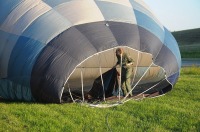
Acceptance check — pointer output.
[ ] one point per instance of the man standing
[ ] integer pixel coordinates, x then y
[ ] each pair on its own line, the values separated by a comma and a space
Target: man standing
126, 70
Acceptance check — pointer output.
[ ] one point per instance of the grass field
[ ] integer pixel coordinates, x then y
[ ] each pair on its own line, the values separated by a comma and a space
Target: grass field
177, 111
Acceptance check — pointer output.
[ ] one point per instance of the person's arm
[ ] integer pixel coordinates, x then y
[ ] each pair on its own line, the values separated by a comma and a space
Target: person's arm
129, 64
129, 60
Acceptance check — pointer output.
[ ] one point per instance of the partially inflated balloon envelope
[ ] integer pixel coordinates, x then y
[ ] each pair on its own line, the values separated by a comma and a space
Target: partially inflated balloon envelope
64, 50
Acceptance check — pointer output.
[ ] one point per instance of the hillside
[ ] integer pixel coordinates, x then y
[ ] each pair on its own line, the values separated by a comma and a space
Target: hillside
189, 42
186, 37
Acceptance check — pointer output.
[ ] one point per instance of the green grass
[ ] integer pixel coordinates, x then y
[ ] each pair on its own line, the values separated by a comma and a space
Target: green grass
177, 111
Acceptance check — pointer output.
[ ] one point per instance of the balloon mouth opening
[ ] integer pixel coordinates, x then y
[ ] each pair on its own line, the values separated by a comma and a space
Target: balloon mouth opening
97, 80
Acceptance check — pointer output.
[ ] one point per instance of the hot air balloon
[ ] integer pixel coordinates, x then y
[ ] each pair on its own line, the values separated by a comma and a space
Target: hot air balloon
60, 50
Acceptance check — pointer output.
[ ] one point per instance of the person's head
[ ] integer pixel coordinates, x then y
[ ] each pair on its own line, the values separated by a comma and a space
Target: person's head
119, 51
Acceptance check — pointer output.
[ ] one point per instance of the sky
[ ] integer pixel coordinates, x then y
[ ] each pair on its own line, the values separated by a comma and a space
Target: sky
176, 15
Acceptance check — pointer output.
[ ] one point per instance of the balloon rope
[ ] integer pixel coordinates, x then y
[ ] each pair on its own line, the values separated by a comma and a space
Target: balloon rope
104, 98
138, 81
136, 68
150, 88
82, 85
71, 94
120, 80
146, 90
